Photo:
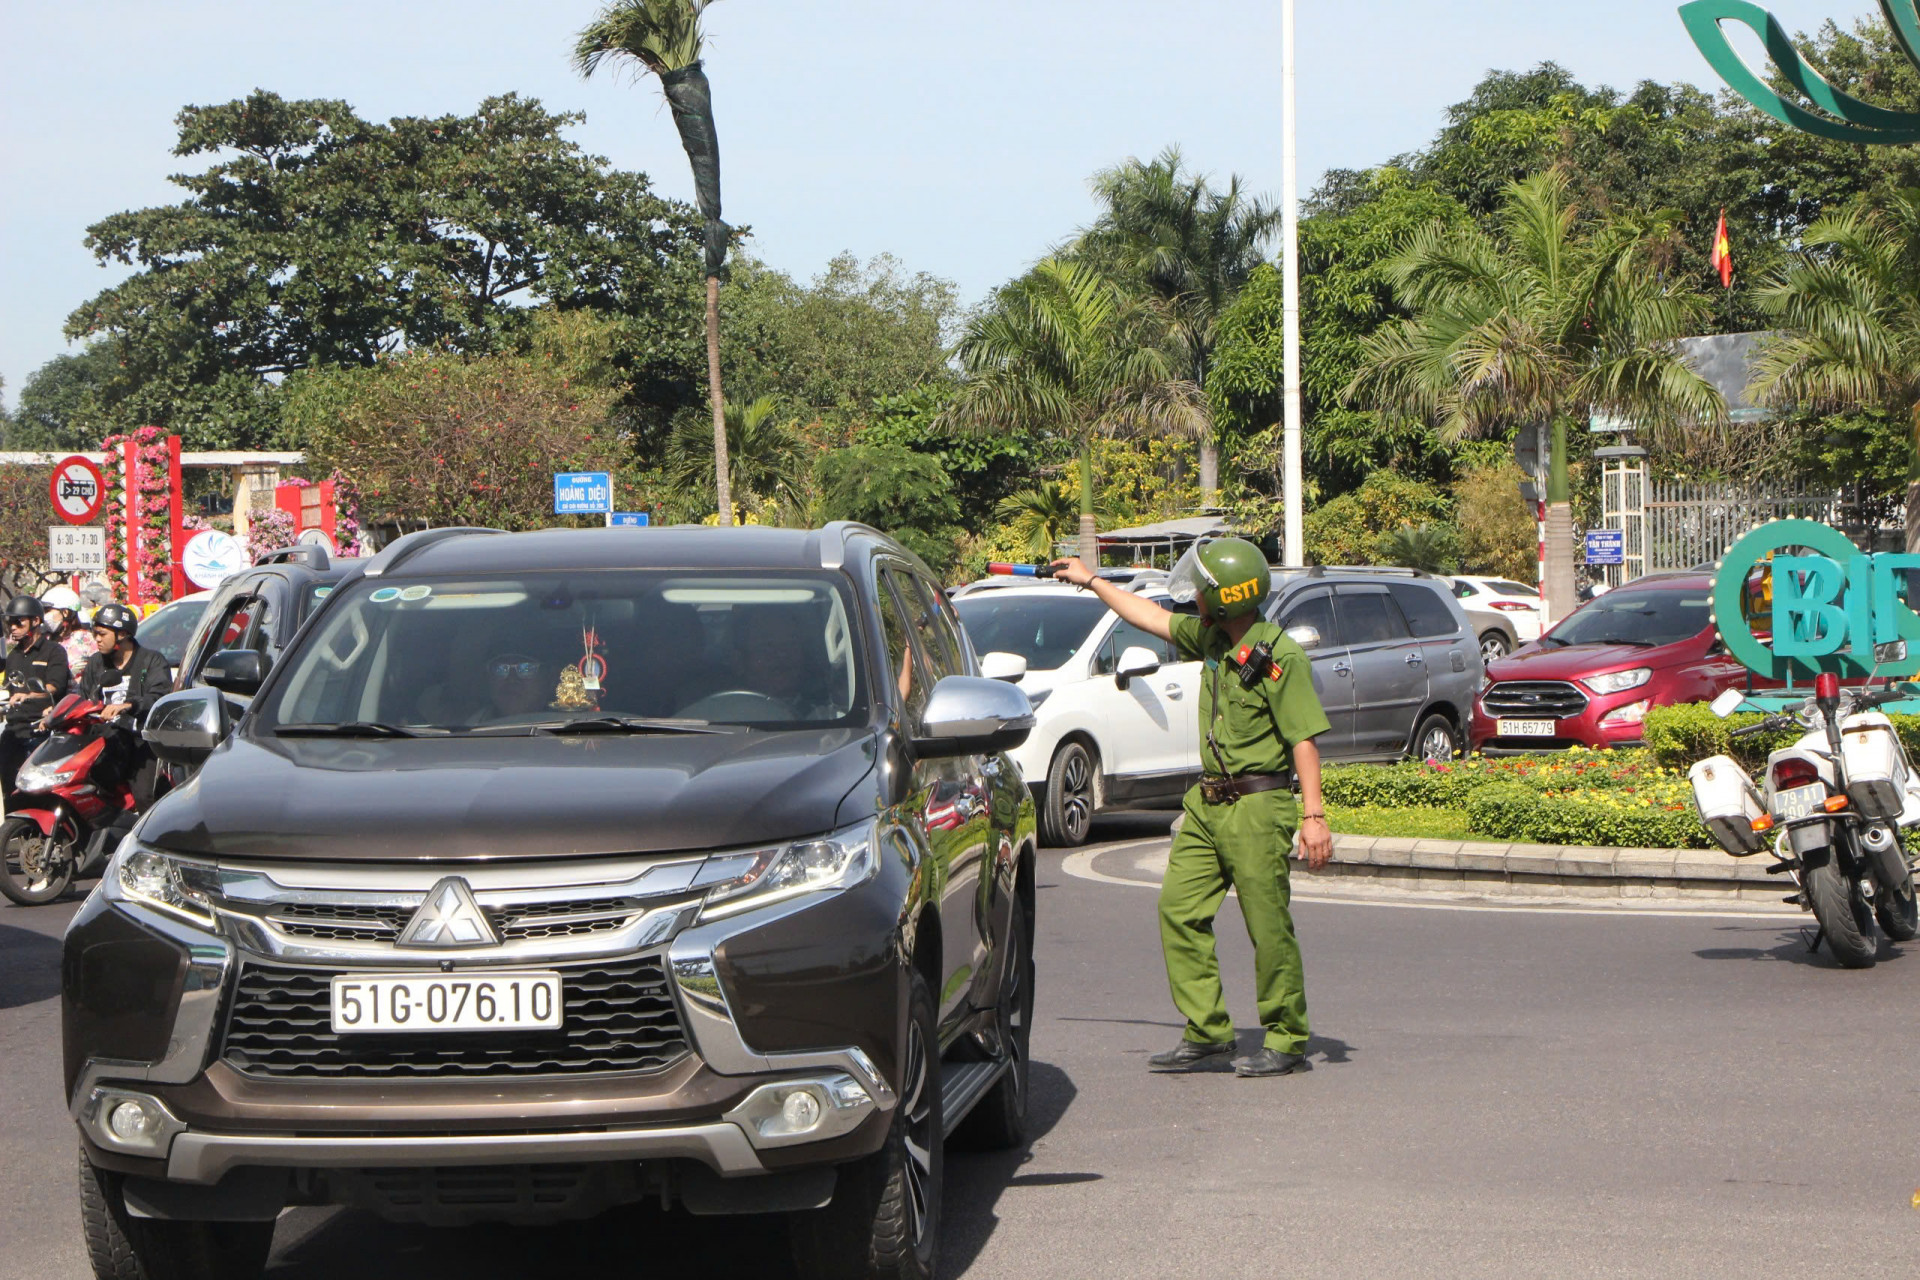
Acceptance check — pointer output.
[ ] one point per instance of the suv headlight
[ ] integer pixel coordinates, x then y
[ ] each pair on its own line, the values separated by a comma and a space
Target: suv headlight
1618, 681
747, 881
175, 885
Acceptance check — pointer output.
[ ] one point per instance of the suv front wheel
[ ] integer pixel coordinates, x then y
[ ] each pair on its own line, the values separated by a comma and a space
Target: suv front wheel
123, 1247
884, 1221
1066, 809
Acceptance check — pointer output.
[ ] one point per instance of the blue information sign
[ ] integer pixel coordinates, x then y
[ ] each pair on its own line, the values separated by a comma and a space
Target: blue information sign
582, 493
632, 519
1606, 546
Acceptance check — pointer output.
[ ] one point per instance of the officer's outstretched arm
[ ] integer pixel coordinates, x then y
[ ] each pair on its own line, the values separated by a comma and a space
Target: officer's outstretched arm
1138, 610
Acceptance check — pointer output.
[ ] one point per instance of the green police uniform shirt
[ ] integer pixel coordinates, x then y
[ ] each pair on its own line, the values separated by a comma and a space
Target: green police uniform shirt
1256, 728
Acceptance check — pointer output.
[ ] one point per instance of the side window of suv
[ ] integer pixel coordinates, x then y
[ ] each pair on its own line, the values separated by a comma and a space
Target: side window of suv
1426, 612
1316, 611
903, 667
945, 653
1370, 617
1125, 636
232, 628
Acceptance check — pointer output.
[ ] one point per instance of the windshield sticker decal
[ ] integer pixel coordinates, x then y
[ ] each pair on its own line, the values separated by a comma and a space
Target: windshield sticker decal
385, 595
419, 591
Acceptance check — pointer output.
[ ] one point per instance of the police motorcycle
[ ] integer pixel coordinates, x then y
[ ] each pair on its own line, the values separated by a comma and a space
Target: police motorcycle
1836, 809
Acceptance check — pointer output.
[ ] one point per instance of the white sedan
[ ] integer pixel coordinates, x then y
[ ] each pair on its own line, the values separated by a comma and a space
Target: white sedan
1114, 708
1516, 601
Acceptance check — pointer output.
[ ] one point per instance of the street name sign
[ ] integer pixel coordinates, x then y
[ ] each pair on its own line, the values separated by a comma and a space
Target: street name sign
1606, 546
631, 519
582, 493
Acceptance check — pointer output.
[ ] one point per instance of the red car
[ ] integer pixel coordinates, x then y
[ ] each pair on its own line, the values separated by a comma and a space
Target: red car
1590, 680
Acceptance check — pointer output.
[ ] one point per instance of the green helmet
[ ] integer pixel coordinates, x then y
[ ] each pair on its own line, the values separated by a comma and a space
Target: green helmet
1228, 575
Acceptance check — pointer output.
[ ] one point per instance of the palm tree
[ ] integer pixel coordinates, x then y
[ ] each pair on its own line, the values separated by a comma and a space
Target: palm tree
1062, 351
1533, 326
1040, 517
764, 457
664, 37
1194, 247
1850, 305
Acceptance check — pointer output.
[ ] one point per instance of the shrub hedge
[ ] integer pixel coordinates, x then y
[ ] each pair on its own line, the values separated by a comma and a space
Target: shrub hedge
1689, 731
1618, 798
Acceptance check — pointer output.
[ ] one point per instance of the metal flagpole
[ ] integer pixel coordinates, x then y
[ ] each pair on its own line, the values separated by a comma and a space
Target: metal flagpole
1295, 548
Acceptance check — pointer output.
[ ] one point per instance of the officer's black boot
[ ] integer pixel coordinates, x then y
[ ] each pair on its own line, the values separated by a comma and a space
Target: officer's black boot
1190, 1055
1269, 1062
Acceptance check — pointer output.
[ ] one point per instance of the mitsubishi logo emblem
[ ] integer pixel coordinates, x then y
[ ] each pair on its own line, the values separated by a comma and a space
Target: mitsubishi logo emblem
449, 918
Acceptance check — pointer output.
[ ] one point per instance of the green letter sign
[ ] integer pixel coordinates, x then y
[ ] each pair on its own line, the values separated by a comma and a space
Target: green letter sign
1829, 608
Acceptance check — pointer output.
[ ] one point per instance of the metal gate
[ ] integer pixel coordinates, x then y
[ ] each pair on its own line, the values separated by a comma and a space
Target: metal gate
1688, 524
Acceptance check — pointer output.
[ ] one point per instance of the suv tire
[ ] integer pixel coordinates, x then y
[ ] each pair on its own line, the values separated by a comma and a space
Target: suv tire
1493, 647
884, 1220
1066, 810
999, 1120
123, 1247
1435, 739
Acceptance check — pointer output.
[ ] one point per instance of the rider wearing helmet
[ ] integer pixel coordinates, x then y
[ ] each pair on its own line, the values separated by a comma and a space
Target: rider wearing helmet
62, 622
128, 678
37, 677
1258, 718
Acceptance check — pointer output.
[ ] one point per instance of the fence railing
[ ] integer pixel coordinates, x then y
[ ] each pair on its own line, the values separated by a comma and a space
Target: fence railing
1690, 524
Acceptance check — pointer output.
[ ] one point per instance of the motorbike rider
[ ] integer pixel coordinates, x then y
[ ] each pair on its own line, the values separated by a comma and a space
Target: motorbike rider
37, 676
63, 623
127, 678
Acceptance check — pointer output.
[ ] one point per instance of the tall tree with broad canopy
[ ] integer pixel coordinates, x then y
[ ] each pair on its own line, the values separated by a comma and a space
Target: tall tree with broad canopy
1063, 351
766, 459
1192, 246
1535, 326
664, 38
318, 238
1850, 304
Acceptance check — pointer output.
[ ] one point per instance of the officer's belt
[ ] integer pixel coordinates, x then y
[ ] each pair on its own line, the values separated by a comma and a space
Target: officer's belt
1221, 789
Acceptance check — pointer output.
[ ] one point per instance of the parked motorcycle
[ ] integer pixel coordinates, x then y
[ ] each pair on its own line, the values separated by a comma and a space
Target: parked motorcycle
1836, 809
68, 816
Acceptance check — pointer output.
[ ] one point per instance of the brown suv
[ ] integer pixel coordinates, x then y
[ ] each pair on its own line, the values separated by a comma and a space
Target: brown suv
549, 872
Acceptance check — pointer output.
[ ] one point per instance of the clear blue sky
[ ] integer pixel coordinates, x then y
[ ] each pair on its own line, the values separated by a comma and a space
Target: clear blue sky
958, 137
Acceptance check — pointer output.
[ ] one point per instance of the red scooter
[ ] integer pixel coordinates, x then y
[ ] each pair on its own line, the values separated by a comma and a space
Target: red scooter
66, 819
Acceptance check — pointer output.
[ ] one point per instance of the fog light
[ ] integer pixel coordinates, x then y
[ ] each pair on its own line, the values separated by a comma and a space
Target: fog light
1632, 713
129, 1122
800, 1112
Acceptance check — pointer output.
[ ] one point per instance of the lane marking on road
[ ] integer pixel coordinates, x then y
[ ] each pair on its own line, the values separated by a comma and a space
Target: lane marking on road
1079, 865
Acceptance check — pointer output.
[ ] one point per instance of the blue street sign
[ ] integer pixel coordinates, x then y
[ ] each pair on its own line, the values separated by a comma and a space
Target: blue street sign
1606, 546
632, 519
582, 493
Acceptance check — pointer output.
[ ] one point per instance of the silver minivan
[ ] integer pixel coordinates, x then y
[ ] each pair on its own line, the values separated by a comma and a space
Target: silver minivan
1395, 661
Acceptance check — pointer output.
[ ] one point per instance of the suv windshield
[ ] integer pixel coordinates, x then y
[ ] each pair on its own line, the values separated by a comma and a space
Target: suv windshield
613, 648
1046, 630
1641, 617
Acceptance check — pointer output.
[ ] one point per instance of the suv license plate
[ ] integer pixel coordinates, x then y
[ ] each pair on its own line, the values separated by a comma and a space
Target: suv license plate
446, 1002
1800, 802
1526, 728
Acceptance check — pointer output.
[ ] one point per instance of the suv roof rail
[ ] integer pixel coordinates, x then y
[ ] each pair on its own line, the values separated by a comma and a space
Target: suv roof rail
310, 554
400, 549
1386, 570
834, 536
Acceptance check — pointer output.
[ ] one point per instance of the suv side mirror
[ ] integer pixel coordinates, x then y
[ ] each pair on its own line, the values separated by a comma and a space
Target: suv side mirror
1138, 660
1307, 637
236, 671
972, 715
1001, 665
185, 727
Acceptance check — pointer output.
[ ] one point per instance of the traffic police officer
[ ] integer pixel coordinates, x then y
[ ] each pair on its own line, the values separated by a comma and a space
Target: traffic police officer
1258, 718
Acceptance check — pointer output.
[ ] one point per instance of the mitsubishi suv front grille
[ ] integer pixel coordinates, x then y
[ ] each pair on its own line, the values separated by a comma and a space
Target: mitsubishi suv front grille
1533, 699
616, 1016
352, 922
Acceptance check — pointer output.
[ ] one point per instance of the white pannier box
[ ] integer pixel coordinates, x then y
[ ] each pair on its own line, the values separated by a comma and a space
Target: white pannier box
1728, 804
1876, 779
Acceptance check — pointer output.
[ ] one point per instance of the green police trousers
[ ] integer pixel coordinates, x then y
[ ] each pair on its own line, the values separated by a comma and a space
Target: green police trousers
1242, 846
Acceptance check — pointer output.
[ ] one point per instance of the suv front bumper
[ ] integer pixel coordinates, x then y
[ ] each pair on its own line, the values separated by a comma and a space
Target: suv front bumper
145, 1001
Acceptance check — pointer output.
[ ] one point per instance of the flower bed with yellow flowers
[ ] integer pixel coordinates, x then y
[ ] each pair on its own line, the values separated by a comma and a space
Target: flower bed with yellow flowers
1624, 799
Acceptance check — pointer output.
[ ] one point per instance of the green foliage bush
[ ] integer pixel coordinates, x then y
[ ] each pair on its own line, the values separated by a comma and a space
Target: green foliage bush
1508, 811
1689, 731
1348, 529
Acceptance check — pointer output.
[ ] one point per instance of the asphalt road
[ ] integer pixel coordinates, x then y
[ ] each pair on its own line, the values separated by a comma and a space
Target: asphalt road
1497, 1092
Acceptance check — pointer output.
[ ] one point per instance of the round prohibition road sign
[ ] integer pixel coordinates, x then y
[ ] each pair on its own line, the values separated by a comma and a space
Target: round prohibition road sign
77, 490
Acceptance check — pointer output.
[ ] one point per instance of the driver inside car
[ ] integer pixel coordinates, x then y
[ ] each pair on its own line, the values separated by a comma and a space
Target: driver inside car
779, 654
517, 685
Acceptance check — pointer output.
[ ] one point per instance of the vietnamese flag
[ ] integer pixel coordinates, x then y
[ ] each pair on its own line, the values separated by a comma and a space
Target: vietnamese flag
1721, 259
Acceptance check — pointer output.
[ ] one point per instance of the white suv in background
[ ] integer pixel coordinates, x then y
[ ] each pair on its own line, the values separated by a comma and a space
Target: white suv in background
1114, 708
